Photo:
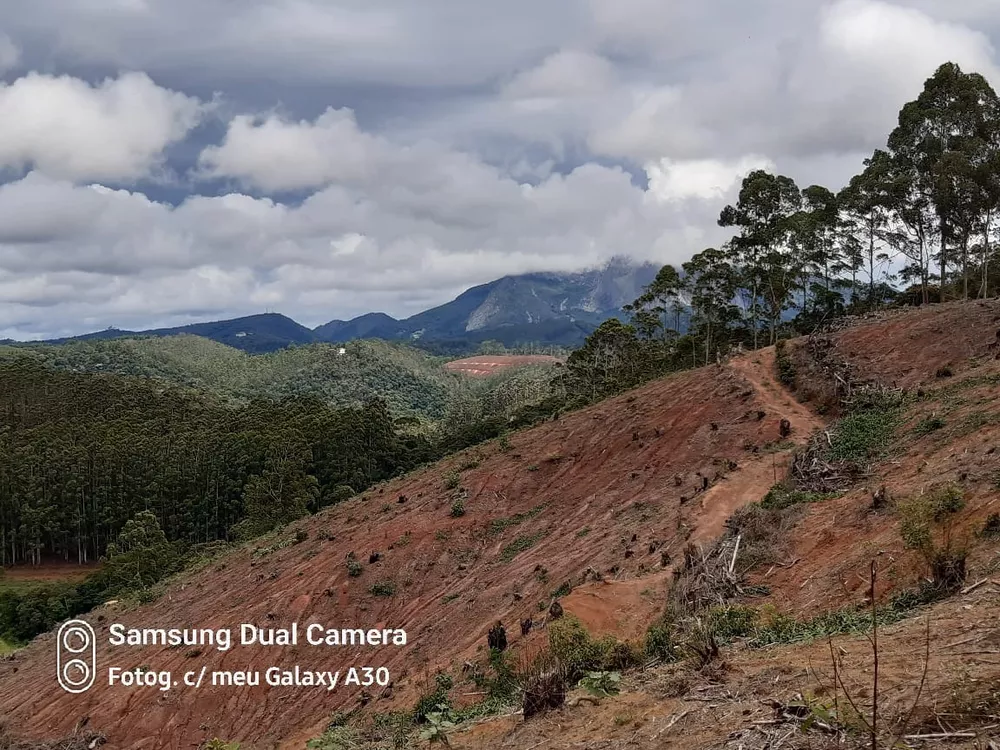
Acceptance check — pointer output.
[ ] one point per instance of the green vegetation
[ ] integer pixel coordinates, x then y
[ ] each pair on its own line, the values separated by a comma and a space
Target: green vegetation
866, 432
501, 524
383, 588
519, 545
782, 496
927, 526
927, 425
578, 653
786, 368
409, 380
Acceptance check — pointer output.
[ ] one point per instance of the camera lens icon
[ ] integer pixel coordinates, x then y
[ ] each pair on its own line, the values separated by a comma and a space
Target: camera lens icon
76, 656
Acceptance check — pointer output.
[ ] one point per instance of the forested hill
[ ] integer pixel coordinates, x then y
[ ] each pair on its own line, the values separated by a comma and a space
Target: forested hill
82, 454
409, 380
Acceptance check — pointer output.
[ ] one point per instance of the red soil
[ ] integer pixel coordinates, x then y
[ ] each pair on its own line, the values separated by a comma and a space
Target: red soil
47, 572
618, 484
490, 363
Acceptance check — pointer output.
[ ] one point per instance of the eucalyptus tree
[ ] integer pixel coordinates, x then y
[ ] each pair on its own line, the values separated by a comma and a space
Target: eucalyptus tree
943, 139
762, 250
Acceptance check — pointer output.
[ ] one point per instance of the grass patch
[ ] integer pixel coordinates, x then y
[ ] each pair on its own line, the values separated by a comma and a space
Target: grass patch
519, 545
927, 425
6, 647
866, 435
501, 524
781, 496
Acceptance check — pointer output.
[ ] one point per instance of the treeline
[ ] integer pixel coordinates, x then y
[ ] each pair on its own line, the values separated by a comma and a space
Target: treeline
81, 454
409, 380
921, 215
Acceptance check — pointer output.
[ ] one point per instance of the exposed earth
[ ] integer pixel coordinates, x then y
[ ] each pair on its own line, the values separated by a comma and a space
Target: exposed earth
616, 492
482, 366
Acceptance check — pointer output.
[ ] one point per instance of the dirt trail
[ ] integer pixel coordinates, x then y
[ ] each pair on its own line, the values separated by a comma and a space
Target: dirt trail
759, 368
757, 477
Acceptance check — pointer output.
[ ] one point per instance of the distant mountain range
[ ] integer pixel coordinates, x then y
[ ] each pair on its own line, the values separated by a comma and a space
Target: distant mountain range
540, 308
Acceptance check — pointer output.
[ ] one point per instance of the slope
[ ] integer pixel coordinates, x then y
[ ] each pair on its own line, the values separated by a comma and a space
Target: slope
616, 488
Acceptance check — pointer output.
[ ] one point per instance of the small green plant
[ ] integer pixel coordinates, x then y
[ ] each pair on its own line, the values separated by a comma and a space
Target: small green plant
458, 509
578, 653
501, 524
354, 567
781, 496
217, 744
503, 442
733, 621
452, 480
583, 532
602, 684
786, 368
438, 725
383, 588
335, 738
991, 529
927, 425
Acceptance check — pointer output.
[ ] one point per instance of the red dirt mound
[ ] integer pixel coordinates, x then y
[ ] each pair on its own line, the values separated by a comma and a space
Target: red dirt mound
489, 364
615, 489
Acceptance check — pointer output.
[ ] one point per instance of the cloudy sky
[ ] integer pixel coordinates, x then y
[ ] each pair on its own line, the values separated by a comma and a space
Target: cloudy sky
168, 161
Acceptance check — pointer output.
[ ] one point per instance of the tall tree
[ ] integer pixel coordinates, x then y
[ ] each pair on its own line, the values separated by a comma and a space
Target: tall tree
865, 206
761, 250
711, 281
652, 309
953, 112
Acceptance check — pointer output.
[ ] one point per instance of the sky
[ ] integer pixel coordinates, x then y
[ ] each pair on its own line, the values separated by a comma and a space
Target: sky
170, 161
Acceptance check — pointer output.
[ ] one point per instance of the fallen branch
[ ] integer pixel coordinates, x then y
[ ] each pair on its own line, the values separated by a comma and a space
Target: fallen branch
974, 586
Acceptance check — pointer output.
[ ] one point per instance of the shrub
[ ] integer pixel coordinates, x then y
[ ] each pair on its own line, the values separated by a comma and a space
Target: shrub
733, 621
602, 684
786, 368
927, 425
451, 480
660, 641
991, 529
926, 526
354, 568
579, 653
383, 588
457, 509
781, 496
544, 686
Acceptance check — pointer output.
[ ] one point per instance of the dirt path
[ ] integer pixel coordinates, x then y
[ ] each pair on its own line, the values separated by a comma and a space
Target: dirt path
759, 368
754, 479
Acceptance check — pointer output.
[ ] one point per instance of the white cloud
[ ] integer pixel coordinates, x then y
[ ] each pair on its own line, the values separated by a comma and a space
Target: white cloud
437, 228
430, 120
115, 130
706, 179
276, 154
565, 74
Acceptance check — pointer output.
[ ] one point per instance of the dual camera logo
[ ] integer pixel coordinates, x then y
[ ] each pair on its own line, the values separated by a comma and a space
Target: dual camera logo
76, 656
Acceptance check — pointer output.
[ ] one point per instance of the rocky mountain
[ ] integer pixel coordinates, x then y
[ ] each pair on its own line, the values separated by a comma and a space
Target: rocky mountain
545, 308
556, 308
